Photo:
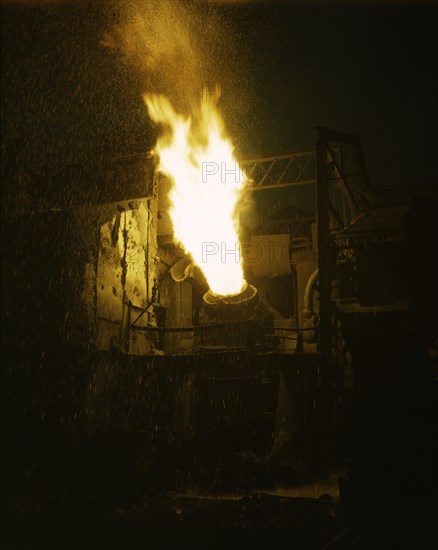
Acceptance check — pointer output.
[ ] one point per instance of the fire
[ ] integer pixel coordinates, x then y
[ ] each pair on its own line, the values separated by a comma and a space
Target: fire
207, 186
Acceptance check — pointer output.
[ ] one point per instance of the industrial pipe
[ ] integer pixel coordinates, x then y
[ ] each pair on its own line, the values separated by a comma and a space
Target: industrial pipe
308, 296
182, 269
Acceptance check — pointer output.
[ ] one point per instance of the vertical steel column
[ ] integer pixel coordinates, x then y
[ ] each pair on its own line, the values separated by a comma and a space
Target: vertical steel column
324, 248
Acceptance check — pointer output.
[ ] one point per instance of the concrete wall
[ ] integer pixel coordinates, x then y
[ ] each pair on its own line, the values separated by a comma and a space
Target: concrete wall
177, 299
119, 273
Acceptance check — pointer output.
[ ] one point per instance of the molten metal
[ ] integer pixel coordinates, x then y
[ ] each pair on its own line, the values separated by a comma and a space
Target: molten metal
248, 292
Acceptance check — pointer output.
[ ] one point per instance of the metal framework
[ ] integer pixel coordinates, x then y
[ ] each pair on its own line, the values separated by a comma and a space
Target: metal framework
341, 178
337, 169
289, 170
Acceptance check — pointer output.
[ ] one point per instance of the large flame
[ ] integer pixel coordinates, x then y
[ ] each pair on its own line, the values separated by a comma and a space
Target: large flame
207, 185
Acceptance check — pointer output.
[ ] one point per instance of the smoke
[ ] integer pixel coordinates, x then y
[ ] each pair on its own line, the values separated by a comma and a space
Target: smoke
183, 50
159, 39
41, 2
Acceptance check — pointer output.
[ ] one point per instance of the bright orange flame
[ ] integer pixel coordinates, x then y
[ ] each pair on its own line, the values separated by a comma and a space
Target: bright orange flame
207, 186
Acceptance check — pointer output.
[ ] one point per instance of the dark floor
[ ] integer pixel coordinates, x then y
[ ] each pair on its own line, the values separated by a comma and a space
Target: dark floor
302, 516
160, 490
239, 520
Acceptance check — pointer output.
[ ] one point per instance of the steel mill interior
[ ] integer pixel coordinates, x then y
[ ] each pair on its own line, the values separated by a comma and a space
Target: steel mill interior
219, 309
